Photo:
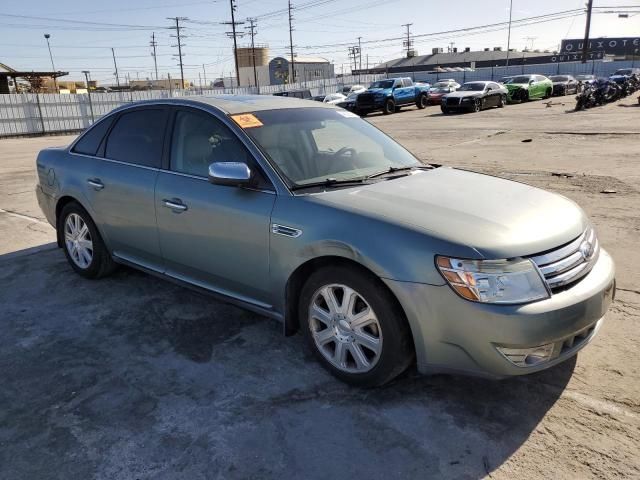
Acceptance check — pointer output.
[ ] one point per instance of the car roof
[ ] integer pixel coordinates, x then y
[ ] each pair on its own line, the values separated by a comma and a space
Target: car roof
233, 104
479, 81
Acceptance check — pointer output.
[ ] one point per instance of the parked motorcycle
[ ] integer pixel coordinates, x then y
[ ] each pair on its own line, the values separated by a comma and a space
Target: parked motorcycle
586, 98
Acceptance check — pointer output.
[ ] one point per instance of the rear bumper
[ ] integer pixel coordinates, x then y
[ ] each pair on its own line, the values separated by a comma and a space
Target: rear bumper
453, 334
47, 204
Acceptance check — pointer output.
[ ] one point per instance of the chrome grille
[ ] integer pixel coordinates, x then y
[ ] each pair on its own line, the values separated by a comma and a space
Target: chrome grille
569, 263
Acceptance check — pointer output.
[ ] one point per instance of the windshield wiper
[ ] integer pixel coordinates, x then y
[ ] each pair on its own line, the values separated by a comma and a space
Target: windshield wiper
331, 182
398, 169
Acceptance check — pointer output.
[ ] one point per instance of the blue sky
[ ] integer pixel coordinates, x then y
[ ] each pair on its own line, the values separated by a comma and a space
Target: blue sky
78, 46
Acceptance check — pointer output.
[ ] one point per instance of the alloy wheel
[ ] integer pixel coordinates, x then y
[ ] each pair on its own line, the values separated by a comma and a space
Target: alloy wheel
78, 241
345, 328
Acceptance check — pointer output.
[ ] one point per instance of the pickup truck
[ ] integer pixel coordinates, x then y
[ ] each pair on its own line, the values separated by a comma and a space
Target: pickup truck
391, 94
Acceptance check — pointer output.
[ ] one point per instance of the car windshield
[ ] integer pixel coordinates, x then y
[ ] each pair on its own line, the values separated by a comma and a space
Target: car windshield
624, 71
520, 79
559, 78
309, 145
382, 84
439, 90
585, 77
468, 87
334, 96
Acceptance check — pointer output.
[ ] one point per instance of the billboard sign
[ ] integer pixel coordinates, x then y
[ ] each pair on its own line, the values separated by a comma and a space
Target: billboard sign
610, 46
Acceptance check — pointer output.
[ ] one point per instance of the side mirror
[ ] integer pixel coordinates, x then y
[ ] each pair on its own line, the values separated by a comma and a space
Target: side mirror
531, 82
235, 174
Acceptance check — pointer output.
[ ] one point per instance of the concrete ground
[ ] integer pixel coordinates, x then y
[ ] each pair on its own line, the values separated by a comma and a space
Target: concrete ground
134, 377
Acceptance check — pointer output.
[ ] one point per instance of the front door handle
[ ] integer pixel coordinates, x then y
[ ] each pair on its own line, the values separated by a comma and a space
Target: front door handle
95, 183
175, 204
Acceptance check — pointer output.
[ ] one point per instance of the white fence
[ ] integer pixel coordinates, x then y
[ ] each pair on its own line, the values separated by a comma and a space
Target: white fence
31, 113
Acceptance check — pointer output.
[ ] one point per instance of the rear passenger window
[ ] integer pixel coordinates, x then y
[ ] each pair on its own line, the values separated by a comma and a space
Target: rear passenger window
406, 82
90, 141
138, 137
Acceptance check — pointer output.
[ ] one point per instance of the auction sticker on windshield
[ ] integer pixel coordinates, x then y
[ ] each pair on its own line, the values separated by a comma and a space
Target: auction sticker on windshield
247, 120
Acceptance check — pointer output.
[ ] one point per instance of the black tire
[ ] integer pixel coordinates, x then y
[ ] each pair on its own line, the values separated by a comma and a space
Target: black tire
102, 263
525, 96
389, 106
397, 346
422, 101
445, 110
502, 101
548, 93
363, 113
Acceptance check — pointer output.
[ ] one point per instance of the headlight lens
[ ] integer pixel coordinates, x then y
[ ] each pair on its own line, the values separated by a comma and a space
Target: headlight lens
494, 281
466, 99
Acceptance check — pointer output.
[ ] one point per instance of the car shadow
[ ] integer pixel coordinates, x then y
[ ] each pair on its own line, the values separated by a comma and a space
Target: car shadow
135, 365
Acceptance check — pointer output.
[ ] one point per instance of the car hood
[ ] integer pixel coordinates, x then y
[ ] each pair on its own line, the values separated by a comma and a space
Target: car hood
515, 86
377, 90
564, 82
498, 218
464, 94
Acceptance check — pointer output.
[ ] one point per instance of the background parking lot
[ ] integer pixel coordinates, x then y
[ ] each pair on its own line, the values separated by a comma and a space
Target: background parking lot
134, 377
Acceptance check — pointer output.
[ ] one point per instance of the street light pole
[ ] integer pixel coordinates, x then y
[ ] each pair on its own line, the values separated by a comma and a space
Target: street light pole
509, 32
55, 81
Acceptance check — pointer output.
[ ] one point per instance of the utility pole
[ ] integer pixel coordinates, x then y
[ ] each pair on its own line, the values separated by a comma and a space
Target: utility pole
204, 74
253, 33
233, 34
408, 43
451, 44
86, 78
293, 62
179, 38
55, 82
359, 53
509, 32
115, 65
585, 44
153, 45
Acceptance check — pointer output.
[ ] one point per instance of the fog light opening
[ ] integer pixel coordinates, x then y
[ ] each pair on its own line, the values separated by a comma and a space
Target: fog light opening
528, 357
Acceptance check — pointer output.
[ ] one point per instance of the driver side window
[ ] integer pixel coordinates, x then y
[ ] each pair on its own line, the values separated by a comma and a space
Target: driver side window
199, 139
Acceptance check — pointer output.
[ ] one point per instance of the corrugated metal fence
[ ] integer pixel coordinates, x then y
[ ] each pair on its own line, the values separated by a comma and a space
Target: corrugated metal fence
30, 113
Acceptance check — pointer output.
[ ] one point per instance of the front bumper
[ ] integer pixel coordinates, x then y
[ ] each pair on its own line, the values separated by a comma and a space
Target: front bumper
462, 106
453, 334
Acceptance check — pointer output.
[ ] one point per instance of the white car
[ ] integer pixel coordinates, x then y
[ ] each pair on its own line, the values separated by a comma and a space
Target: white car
334, 98
449, 82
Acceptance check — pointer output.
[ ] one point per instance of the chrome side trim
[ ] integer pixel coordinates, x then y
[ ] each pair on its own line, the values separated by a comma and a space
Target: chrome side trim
285, 230
153, 169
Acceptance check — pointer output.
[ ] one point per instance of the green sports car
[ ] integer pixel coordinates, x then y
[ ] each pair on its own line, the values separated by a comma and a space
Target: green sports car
527, 87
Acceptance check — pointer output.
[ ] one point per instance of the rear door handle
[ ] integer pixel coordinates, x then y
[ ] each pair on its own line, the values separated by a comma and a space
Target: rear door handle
96, 183
175, 204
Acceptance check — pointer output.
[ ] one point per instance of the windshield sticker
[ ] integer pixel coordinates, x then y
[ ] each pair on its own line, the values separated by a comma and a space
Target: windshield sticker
347, 113
247, 120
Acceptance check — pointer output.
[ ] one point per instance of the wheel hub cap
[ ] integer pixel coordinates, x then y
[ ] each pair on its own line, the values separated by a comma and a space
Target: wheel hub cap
345, 328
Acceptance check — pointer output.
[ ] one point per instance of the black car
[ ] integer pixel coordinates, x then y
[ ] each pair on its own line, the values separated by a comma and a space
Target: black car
475, 96
564, 85
306, 94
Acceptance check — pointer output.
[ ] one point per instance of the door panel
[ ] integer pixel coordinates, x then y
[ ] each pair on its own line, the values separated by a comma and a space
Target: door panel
221, 240
125, 184
127, 211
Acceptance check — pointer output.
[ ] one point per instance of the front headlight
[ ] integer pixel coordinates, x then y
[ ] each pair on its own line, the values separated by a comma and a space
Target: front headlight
466, 99
494, 281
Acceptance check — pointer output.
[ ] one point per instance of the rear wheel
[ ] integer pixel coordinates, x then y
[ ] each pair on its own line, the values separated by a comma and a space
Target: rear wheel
389, 106
354, 326
422, 101
82, 244
501, 101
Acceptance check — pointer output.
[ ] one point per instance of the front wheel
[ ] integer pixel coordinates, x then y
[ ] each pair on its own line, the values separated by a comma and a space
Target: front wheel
82, 244
477, 105
501, 101
445, 110
548, 93
389, 107
354, 327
